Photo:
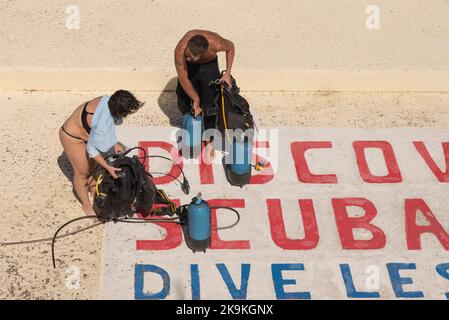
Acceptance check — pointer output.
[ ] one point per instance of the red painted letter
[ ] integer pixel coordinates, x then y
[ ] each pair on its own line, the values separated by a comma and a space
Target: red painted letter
394, 174
346, 224
173, 237
267, 174
414, 231
439, 174
206, 169
277, 226
216, 242
302, 169
173, 153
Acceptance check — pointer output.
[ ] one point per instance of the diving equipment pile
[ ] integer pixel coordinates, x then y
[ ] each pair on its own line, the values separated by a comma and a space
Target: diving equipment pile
131, 198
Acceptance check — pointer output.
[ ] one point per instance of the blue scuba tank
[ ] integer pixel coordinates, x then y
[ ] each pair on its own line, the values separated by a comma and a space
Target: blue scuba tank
198, 225
193, 130
241, 157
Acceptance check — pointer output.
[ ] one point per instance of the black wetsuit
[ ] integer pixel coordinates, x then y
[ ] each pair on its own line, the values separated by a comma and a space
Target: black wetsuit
200, 74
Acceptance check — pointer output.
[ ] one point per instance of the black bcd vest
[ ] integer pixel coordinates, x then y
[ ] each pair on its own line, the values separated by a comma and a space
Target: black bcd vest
134, 191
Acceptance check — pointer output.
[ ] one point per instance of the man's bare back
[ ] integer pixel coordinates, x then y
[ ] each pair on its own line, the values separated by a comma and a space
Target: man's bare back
216, 44
200, 47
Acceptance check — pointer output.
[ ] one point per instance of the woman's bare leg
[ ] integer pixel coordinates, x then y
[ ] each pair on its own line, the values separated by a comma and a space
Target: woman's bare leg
81, 170
91, 182
76, 153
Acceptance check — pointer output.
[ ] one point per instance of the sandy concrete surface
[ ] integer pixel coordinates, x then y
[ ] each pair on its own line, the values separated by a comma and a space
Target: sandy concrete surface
283, 35
36, 195
305, 45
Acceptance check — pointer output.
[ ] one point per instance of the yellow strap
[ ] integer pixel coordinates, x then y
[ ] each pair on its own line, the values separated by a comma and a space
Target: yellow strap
223, 113
164, 195
99, 181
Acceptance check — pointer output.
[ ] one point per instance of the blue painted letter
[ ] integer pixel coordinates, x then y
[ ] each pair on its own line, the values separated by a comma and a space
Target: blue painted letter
443, 270
279, 282
195, 276
397, 281
349, 284
236, 293
139, 273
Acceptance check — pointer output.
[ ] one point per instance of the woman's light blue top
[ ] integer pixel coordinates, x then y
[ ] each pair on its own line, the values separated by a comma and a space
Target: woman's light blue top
102, 134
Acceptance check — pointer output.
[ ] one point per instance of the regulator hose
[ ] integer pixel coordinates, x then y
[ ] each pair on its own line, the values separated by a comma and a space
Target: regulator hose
6, 244
106, 220
181, 212
62, 227
232, 225
185, 186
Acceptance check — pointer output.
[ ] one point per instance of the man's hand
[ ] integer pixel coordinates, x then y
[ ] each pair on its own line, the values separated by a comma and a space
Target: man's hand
227, 78
196, 108
112, 171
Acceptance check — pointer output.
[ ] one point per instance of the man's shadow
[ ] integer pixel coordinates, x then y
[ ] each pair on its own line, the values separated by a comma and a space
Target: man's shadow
168, 103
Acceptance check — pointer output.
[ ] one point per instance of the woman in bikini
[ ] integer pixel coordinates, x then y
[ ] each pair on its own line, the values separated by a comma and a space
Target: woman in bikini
89, 133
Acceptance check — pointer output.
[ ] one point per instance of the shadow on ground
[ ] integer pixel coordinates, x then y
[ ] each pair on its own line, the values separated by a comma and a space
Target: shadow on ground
67, 170
65, 166
167, 103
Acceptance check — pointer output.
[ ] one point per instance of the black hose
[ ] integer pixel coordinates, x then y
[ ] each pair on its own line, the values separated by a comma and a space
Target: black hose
166, 158
107, 219
129, 150
232, 225
118, 156
5, 244
165, 174
185, 186
177, 220
62, 227
145, 220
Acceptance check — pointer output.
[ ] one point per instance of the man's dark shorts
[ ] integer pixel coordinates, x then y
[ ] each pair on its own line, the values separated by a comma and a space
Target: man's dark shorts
200, 75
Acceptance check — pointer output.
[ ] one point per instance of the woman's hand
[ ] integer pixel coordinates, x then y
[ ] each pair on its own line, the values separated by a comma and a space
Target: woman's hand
112, 171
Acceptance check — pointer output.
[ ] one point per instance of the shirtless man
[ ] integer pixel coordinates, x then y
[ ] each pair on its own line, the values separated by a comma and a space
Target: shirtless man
196, 62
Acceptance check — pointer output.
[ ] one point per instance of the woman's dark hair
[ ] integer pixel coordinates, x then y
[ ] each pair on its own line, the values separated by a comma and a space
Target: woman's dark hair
122, 103
198, 45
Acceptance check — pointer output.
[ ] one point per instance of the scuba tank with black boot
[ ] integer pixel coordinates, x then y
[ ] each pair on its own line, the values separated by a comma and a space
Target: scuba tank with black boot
236, 124
198, 225
191, 137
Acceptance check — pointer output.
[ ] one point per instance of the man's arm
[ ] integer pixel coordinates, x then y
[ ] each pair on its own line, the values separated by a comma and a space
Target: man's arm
228, 47
181, 69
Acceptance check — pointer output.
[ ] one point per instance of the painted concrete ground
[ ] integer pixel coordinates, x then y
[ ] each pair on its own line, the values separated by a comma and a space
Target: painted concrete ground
337, 213
36, 193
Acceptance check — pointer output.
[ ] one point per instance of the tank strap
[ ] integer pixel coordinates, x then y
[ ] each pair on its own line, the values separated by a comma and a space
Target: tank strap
162, 198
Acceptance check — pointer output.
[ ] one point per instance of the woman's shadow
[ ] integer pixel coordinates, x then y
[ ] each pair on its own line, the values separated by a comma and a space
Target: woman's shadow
67, 169
168, 103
